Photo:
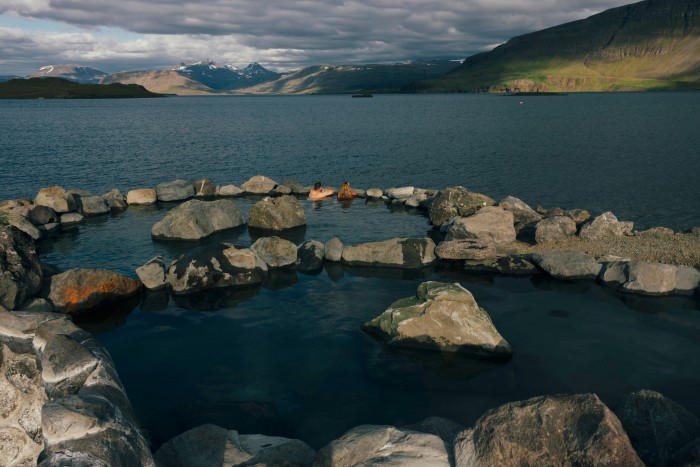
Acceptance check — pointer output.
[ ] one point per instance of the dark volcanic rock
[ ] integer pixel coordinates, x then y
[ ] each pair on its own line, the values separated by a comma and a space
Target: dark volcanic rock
20, 270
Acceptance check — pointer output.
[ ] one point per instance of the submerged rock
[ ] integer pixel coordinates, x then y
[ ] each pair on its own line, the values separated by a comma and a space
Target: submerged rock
441, 317
454, 202
195, 219
491, 224
259, 184
276, 252
549, 430
567, 265
408, 253
284, 212
20, 270
177, 190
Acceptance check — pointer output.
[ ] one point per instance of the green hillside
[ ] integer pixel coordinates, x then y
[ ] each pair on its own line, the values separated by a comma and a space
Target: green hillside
650, 45
59, 88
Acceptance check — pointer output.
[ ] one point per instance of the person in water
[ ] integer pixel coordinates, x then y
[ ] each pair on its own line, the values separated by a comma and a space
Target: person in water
318, 192
346, 192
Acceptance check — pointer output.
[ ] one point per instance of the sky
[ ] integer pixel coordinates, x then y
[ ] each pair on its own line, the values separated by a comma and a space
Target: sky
120, 35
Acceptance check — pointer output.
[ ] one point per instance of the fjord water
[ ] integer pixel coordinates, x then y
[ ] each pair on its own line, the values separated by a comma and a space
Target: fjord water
289, 358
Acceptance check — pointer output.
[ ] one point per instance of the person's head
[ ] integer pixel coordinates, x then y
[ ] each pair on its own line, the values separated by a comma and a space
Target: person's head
345, 185
317, 186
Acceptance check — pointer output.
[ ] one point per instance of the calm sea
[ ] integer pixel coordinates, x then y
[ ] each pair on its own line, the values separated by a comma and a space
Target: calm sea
289, 358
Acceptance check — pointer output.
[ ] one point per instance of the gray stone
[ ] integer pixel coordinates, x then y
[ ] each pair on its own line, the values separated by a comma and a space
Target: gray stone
442, 317
579, 216
465, 249
613, 272
281, 190
275, 450
650, 278
657, 426
214, 266
284, 212
516, 265
16, 448
65, 365
275, 252
204, 188
78, 193
142, 196
153, 274
567, 265
490, 224
56, 198
374, 193
549, 430
687, 279
657, 231
116, 201
23, 225
333, 249
400, 193
37, 305
416, 199
605, 225
196, 219
20, 271
41, 215
310, 256
455, 202
75, 416
177, 190
93, 206
408, 253
445, 428
48, 230
259, 184
229, 191
377, 445
72, 218
554, 228
523, 214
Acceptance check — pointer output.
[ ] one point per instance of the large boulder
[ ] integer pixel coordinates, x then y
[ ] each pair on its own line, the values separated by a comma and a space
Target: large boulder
333, 249
554, 228
375, 445
548, 430
214, 266
17, 221
465, 249
41, 215
212, 446
177, 190
656, 426
491, 224
56, 198
408, 253
78, 290
310, 256
153, 274
141, 196
93, 205
259, 184
567, 265
276, 252
455, 202
441, 317
20, 269
605, 225
650, 278
195, 219
284, 212
523, 214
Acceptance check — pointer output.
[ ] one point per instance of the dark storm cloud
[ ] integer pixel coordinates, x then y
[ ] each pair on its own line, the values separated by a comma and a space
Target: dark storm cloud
316, 31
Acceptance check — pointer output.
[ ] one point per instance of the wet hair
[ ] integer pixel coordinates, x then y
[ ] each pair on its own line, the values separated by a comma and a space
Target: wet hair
317, 186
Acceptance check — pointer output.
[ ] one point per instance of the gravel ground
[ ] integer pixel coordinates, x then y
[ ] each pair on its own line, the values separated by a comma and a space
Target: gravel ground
676, 249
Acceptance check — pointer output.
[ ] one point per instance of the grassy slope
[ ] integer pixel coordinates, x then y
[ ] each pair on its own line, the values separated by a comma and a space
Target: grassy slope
647, 45
58, 88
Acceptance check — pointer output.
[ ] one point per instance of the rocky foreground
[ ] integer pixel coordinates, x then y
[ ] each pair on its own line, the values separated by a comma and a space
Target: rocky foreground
61, 401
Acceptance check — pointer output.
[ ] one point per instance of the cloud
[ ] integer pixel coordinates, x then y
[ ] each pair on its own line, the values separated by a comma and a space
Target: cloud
287, 33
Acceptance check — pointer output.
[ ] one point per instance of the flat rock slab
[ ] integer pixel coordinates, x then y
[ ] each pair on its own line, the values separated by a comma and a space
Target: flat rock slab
195, 219
567, 265
491, 224
408, 253
275, 214
465, 249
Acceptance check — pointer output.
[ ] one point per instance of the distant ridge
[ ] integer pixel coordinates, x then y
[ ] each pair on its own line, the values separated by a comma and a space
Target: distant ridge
77, 73
60, 88
653, 44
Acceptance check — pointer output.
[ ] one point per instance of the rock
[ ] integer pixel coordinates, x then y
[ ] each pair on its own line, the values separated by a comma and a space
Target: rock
177, 190
295, 186
275, 252
579, 216
214, 266
657, 231
516, 265
284, 212
416, 199
408, 253
548, 430
195, 219
76, 416
142, 196
657, 427
281, 190
650, 278
72, 218
275, 450
613, 273
41, 215
333, 249
37, 305
153, 274
374, 445
445, 428
65, 365
465, 249
523, 214
310, 256
554, 228
56, 198
454, 202
23, 225
374, 193
115, 200
259, 184
20, 270
93, 206
78, 193
605, 225
442, 317
491, 224
78, 290
567, 265
400, 193
204, 188
687, 279
16, 448
228, 190
627, 227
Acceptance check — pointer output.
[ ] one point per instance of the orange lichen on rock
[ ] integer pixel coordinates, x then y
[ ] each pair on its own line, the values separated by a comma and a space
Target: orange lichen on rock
80, 289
